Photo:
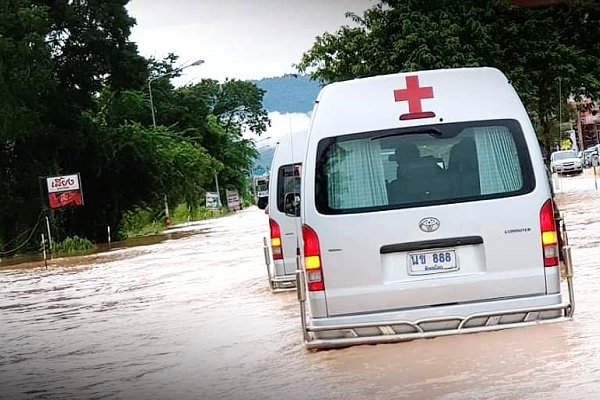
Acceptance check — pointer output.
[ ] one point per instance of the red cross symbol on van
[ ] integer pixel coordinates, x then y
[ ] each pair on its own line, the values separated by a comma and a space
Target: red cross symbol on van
414, 94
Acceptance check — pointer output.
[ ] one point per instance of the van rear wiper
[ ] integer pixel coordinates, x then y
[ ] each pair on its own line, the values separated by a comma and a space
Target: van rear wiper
430, 131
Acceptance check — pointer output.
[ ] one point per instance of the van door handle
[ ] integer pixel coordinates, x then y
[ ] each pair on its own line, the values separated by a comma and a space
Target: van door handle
431, 244
289, 234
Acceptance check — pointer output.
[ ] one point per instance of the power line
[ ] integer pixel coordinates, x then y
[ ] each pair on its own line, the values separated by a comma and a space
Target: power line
3, 253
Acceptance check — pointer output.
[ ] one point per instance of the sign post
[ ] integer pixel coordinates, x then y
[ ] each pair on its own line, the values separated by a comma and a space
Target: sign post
49, 236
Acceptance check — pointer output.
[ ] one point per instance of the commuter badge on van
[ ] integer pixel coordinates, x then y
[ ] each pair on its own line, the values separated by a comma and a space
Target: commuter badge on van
409, 184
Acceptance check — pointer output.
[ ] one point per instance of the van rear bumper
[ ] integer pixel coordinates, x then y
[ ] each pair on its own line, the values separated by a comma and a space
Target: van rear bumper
430, 322
283, 282
280, 281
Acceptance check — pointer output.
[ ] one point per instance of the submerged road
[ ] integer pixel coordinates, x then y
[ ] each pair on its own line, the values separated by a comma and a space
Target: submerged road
192, 318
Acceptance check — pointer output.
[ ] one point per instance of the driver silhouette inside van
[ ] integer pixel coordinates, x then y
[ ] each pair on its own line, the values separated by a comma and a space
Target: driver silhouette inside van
420, 178
417, 178
463, 169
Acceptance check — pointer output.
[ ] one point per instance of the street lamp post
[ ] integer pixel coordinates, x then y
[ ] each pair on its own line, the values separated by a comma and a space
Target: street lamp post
232, 114
150, 80
151, 102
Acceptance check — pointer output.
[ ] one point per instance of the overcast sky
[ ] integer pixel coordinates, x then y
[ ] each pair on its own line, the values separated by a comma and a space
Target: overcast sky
244, 39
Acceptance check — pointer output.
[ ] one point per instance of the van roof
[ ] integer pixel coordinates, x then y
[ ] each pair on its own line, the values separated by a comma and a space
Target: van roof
420, 98
294, 141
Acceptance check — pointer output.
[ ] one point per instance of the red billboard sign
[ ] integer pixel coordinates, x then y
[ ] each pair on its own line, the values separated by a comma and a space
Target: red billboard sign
65, 199
64, 191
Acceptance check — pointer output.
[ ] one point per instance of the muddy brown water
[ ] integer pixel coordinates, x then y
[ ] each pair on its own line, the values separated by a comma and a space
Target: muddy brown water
192, 318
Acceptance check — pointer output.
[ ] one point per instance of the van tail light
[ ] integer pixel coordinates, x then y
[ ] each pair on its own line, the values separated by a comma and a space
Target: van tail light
312, 260
276, 240
549, 235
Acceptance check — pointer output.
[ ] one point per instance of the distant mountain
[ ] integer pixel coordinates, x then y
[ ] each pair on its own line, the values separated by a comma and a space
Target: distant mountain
284, 94
289, 93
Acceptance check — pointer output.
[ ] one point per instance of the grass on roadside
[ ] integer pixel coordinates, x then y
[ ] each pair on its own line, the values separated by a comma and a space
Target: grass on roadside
143, 222
73, 246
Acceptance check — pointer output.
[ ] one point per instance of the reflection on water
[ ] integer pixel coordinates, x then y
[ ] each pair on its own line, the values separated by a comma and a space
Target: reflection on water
192, 318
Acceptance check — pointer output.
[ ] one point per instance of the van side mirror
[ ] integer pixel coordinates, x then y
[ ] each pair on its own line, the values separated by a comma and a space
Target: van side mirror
291, 204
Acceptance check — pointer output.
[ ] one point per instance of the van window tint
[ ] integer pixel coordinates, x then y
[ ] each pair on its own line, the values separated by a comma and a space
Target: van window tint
445, 163
288, 181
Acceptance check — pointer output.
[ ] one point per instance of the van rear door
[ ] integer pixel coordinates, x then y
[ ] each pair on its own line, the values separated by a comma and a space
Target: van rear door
288, 181
428, 216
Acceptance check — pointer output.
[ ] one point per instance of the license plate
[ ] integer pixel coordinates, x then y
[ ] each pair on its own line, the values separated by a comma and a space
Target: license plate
432, 262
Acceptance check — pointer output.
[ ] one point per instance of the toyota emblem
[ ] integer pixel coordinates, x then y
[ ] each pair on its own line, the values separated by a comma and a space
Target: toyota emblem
429, 224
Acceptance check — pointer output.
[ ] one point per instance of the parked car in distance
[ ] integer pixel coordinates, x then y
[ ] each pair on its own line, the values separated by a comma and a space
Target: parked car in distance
565, 162
589, 157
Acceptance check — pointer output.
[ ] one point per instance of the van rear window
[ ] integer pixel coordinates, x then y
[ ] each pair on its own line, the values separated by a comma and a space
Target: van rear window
288, 181
421, 166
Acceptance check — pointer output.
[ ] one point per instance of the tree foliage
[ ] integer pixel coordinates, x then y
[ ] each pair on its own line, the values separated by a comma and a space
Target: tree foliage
534, 47
74, 98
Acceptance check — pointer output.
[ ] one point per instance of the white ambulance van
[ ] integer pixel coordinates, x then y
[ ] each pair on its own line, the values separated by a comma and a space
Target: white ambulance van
426, 211
285, 181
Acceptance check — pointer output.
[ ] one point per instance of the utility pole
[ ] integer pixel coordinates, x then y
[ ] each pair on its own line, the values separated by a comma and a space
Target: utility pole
151, 102
218, 192
560, 131
579, 132
150, 80
166, 207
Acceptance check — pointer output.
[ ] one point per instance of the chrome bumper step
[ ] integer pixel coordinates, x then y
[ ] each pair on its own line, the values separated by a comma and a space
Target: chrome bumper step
398, 331
334, 336
277, 284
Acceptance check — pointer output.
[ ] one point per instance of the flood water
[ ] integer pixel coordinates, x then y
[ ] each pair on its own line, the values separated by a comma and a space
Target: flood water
192, 318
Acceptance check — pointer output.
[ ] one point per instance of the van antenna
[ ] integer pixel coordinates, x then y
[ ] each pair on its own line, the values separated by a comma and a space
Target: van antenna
296, 222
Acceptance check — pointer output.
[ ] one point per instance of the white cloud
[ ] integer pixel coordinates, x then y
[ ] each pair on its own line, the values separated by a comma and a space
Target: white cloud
280, 125
237, 39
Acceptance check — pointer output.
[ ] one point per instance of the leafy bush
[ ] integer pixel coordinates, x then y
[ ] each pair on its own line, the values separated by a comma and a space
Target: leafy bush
183, 214
73, 246
140, 222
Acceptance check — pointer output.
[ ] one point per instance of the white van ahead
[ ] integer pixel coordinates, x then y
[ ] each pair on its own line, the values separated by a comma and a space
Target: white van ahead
285, 175
426, 211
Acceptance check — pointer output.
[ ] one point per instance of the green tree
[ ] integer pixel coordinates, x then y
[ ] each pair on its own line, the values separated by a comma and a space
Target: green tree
215, 116
534, 47
130, 165
55, 57
26, 85
74, 98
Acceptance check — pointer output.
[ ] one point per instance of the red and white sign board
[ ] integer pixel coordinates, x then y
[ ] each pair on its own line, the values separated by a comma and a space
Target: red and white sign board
63, 183
64, 191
